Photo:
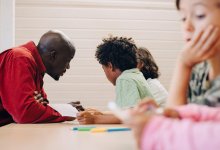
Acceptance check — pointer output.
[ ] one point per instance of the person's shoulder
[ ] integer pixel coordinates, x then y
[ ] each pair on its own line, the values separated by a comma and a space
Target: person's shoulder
156, 81
124, 79
130, 74
20, 52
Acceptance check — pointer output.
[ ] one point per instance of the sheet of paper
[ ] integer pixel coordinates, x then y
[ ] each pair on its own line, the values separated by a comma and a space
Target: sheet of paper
65, 109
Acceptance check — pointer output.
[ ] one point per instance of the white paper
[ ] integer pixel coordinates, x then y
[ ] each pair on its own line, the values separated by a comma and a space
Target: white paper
65, 109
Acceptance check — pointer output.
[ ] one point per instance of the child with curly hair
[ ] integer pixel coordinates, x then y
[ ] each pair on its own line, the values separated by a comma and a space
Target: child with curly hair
118, 57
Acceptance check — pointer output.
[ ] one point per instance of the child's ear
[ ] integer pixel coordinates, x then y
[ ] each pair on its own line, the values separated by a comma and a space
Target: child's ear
140, 65
111, 66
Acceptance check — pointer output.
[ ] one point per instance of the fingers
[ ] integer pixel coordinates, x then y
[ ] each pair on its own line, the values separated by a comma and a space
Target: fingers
83, 114
212, 45
204, 37
85, 118
38, 97
203, 46
93, 111
209, 41
171, 113
215, 49
44, 103
148, 101
90, 109
144, 105
196, 38
40, 100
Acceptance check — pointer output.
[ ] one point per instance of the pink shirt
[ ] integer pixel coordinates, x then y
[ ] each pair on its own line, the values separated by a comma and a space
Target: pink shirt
198, 130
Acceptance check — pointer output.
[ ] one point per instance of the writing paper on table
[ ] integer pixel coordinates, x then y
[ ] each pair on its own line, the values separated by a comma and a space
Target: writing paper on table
65, 109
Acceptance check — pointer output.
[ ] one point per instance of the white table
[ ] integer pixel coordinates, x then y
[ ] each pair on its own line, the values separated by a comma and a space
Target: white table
59, 136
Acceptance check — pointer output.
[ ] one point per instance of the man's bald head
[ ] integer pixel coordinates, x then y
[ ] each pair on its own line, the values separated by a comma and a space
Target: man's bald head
56, 51
55, 40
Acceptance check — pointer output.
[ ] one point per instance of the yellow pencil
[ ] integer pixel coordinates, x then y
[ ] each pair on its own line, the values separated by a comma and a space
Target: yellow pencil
98, 130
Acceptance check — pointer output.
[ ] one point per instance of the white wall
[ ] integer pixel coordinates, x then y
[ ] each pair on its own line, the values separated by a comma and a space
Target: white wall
152, 23
6, 24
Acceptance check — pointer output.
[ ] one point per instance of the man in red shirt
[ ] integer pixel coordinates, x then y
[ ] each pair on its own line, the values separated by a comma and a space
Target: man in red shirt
21, 74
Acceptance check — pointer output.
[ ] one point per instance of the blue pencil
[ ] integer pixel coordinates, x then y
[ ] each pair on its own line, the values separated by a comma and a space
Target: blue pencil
118, 129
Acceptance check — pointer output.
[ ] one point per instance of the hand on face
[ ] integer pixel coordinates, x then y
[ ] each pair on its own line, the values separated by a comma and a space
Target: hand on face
39, 98
203, 46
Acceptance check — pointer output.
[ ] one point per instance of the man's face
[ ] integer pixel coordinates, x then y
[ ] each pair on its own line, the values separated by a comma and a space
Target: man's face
61, 63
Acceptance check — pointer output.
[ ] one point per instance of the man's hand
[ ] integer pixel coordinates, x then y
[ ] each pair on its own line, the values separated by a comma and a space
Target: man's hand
77, 105
39, 98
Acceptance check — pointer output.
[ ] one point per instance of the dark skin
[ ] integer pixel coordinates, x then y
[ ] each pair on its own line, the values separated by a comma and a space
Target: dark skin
56, 51
39, 98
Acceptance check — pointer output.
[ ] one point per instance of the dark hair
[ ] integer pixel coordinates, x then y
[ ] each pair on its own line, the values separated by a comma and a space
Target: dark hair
150, 68
178, 4
119, 51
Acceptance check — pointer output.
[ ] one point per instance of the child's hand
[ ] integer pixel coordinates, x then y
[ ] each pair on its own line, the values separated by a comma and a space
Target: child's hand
144, 105
86, 117
94, 111
202, 47
171, 113
39, 98
147, 103
137, 123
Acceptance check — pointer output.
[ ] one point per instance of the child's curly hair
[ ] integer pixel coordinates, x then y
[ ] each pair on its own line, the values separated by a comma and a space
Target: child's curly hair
119, 51
150, 68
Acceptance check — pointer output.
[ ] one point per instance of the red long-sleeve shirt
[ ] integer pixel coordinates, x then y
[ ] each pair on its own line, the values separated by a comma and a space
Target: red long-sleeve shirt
21, 73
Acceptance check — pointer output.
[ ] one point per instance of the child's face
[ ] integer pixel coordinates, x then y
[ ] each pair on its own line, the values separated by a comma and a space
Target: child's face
111, 73
197, 15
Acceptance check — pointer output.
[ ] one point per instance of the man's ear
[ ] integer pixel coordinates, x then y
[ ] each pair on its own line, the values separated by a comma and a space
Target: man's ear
53, 55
